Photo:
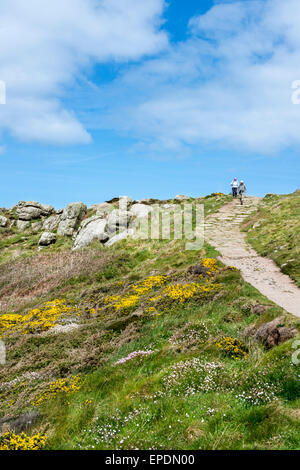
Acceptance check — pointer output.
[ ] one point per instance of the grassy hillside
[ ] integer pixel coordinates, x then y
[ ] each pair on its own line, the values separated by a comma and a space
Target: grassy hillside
274, 231
133, 348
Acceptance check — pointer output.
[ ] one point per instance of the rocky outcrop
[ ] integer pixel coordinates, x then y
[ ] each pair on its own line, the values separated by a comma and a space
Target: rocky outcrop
103, 210
118, 220
51, 223
111, 222
90, 230
3, 221
22, 225
32, 210
170, 207
123, 200
36, 227
121, 236
272, 333
70, 218
141, 210
47, 238
259, 309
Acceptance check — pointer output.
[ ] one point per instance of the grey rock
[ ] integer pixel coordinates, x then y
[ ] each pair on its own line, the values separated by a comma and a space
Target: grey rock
104, 209
141, 210
259, 309
286, 333
22, 225
3, 221
169, 206
32, 210
91, 229
28, 213
118, 220
121, 236
47, 238
51, 223
71, 217
36, 227
125, 201
272, 333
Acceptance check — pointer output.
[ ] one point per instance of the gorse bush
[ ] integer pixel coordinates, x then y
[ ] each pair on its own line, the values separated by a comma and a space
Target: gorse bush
11, 441
232, 347
137, 347
65, 386
37, 320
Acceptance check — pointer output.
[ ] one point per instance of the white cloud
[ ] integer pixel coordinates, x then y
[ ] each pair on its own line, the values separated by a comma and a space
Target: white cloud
228, 84
46, 46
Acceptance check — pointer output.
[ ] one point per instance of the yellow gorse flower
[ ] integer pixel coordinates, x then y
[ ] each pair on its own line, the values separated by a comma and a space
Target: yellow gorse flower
11, 441
39, 319
232, 347
148, 284
111, 299
211, 264
127, 302
69, 385
184, 292
136, 291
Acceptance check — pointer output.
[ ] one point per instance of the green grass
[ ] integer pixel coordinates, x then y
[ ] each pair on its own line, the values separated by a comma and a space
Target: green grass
187, 394
132, 398
274, 231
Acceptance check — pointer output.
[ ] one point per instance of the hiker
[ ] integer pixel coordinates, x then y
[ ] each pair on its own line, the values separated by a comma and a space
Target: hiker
242, 188
242, 191
234, 185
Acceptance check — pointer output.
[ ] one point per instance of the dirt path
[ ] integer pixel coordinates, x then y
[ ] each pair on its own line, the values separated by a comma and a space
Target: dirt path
222, 231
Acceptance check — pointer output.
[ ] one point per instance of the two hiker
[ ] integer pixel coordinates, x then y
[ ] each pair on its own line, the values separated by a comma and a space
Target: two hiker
238, 188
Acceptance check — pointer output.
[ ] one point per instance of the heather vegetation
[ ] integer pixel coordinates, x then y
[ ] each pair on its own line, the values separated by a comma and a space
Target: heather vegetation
142, 345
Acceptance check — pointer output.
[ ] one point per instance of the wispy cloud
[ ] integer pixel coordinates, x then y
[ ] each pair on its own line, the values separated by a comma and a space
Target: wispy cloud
48, 47
228, 84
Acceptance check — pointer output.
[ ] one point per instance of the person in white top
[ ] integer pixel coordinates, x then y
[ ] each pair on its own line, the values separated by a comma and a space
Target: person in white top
234, 184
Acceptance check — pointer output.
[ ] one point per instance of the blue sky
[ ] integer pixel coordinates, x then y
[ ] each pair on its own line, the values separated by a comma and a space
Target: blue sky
149, 99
